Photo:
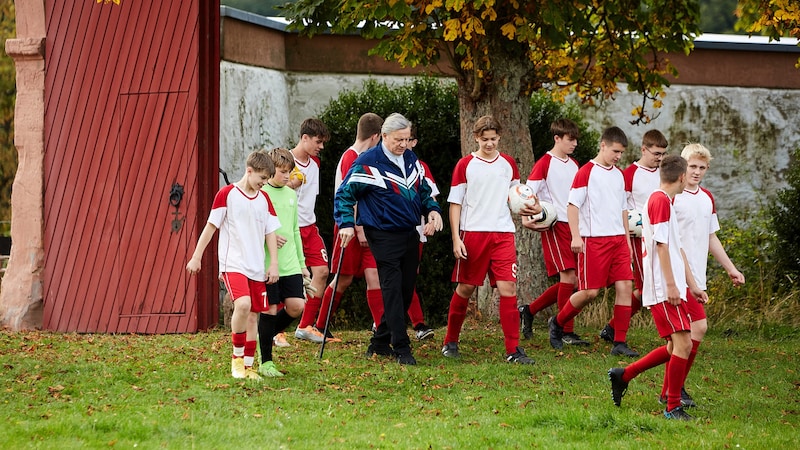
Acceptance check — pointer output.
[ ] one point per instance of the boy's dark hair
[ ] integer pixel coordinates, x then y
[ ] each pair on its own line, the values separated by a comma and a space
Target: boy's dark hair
368, 124
315, 128
614, 135
565, 127
261, 162
486, 123
282, 158
654, 138
672, 166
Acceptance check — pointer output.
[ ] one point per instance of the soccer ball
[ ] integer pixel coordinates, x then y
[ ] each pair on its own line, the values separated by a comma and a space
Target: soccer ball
548, 216
519, 196
635, 223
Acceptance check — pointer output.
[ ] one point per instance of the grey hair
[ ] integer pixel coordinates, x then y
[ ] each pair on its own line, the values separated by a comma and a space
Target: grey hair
394, 122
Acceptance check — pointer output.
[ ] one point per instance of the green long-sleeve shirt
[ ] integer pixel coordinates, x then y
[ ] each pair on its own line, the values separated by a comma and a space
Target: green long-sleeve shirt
291, 260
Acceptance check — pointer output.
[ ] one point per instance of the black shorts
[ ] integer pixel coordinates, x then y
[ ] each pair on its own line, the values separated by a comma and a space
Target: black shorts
286, 287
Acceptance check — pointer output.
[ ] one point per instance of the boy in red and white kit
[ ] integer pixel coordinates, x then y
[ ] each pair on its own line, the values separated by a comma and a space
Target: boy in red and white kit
358, 260
598, 222
483, 236
697, 217
305, 180
641, 179
246, 219
667, 282
551, 179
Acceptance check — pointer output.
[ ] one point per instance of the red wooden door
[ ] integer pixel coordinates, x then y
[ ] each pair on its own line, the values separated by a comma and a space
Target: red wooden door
128, 92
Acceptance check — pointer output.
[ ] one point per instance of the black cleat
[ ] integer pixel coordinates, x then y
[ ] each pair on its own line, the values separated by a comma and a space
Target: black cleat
407, 359
556, 333
607, 333
519, 357
381, 350
526, 318
573, 339
621, 349
618, 387
450, 350
423, 332
677, 414
686, 400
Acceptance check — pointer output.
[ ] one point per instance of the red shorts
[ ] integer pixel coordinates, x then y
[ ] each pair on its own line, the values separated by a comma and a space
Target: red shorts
239, 286
670, 319
696, 309
604, 261
313, 246
494, 253
558, 255
356, 258
636, 244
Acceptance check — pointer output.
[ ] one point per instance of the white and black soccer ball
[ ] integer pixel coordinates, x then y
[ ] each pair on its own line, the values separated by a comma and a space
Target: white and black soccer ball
548, 216
635, 223
519, 196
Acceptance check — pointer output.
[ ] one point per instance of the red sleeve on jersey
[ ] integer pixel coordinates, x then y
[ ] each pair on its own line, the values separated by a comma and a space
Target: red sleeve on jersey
539, 171
316, 160
628, 175
269, 203
221, 199
348, 158
460, 171
513, 164
428, 173
658, 207
713, 203
582, 177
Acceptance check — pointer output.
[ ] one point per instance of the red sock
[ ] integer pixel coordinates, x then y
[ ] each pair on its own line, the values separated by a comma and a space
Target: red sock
249, 353
455, 317
238, 340
323, 311
636, 304
548, 297
653, 359
622, 321
509, 322
310, 311
375, 303
665, 385
415, 310
677, 375
565, 291
567, 313
692, 356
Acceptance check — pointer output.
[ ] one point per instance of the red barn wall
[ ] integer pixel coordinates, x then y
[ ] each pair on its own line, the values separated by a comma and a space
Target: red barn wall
130, 110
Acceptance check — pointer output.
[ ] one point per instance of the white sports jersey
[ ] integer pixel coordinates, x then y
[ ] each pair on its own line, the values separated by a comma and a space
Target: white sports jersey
307, 192
551, 179
640, 182
697, 216
243, 222
599, 194
481, 188
660, 225
344, 165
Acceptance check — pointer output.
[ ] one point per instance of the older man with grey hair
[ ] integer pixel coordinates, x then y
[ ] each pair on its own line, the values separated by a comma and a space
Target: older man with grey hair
387, 182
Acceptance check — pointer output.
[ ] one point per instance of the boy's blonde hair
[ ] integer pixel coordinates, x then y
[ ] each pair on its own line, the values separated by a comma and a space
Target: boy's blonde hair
693, 150
486, 123
282, 158
261, 162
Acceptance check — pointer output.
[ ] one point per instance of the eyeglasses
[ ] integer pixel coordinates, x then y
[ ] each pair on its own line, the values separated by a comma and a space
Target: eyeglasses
656, 154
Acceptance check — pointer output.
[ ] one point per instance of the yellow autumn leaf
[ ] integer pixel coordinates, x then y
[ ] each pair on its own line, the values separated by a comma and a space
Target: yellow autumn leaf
508, 30
452, 29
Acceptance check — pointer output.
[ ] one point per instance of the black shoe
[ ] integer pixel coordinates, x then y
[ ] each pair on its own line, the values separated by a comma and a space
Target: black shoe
526, 318
621, 349
407, 359
377, 349
677, 414
573, 339
556, 333
618, 387
450, 350
607, 333
423, 332
519, 357
686, 400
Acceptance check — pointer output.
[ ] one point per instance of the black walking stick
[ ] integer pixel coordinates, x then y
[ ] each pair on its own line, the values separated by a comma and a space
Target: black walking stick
330, 305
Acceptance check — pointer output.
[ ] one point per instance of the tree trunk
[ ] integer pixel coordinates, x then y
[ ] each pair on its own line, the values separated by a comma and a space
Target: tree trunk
506, 99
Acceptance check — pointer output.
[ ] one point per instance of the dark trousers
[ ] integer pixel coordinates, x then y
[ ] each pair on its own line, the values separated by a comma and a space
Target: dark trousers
397, 257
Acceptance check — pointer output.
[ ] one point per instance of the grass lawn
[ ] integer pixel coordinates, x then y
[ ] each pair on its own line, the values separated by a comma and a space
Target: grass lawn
175, 391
